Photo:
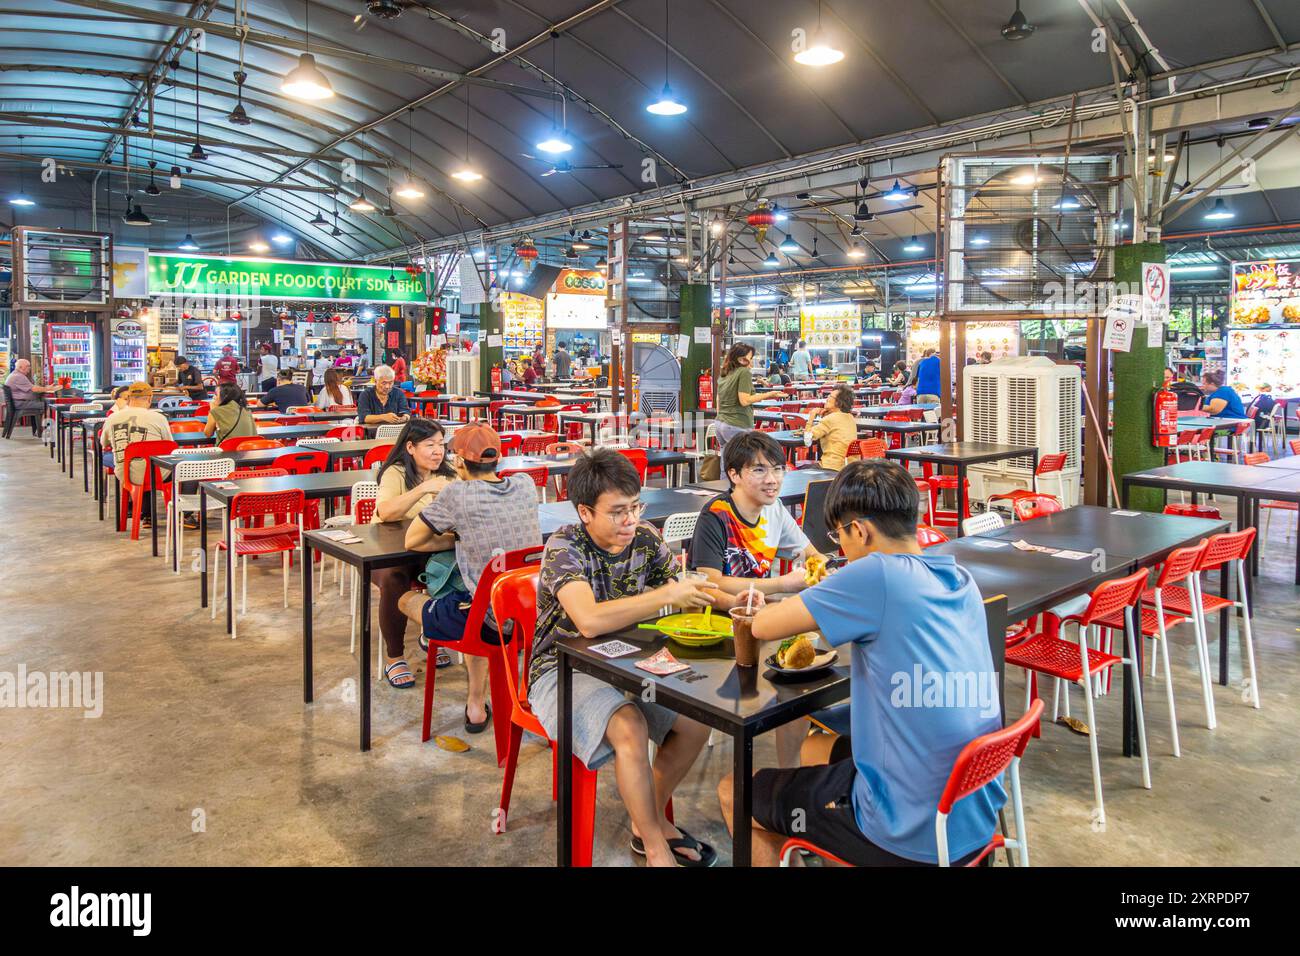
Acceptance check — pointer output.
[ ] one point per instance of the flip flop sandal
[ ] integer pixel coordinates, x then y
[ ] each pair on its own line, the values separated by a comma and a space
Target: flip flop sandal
404, 672
708, 855
443, 659
472, 728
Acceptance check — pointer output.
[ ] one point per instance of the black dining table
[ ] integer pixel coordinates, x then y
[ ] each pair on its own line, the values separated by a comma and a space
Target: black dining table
869, 425
563, 464
467, 405
960, 454
510, 395
879, 411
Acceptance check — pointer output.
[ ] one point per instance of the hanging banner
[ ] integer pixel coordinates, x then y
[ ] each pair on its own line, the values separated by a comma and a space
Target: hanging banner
130, 272
178, 273
831, 326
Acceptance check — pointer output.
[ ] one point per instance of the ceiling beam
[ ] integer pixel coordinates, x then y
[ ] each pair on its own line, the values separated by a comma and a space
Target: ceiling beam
1272, 27
974, 47
143, 172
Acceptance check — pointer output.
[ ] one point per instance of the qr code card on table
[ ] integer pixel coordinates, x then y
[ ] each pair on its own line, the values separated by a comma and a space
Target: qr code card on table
613, 648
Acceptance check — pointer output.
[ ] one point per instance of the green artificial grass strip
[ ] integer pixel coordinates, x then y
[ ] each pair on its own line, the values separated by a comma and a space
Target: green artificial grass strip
696, 312
1136, 375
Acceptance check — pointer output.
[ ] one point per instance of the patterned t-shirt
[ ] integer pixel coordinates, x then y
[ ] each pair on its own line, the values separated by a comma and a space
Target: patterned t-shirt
571, 555
727, 542
488, 517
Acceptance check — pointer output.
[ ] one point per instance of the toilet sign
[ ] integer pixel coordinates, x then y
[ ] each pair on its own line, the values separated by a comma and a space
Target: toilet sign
1122, 315
1155, 291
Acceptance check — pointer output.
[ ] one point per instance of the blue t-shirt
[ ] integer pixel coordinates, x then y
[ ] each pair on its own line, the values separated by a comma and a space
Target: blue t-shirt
922, 686
927, 376
1234, 407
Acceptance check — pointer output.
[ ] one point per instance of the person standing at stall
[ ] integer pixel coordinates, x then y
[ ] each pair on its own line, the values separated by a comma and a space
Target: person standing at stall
226, 368
269, 366
189, 379
398, 363
563, 362
736, 395
801, 363
927, 378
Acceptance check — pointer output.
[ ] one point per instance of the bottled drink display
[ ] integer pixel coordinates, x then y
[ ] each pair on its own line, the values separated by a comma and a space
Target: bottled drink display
70, 353
127, 348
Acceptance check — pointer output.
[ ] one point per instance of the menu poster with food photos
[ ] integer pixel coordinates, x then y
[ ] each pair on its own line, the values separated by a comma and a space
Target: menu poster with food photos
1266, 293
1259, 357
831, 326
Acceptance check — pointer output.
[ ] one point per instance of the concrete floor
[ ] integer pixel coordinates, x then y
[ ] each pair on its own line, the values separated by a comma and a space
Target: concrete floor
205, 753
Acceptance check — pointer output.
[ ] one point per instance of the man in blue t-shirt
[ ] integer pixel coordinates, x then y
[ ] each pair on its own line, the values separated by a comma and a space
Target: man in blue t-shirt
1221, 401
927, 377
922, 686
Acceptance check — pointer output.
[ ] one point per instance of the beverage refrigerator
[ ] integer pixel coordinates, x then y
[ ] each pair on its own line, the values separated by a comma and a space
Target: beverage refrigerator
201, 341
127, 346
69, 352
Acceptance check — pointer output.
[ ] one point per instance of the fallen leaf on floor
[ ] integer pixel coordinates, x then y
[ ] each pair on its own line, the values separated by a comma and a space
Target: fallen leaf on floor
1075, 724
454, 744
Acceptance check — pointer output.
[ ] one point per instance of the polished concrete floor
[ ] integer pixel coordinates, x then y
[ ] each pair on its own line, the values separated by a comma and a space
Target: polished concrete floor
205, 753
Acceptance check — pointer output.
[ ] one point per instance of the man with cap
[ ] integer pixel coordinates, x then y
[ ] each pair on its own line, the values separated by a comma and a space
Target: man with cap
482, 516
226, 368
136, 421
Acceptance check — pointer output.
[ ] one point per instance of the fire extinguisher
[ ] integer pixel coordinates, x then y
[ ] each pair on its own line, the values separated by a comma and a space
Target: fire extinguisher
496, 378
704, 387
1165, 422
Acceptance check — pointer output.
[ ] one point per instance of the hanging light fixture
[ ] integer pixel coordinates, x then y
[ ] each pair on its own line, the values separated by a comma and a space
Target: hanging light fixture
409, 188
257, 245
1017, 28
21, 198
557, 141
856, 251
819, 50
897, 193
788, 245
1069, 201
305, 81
152, 189
771, 262
602, 263
239, 116
913, 245
361, 203
188, 244
1220, 211
979, 239
135, 216
467, 173
196, 151
583, 242
667, 104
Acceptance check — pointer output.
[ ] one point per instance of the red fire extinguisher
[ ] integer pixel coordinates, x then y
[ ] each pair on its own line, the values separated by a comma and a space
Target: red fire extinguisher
1165, 422
496, 378
705, 390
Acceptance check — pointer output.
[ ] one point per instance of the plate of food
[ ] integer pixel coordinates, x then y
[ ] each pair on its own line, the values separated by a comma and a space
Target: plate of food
800, 655
694, 629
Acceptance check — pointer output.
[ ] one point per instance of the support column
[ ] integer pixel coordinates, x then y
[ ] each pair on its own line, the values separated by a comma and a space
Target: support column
1138, 373
489, 321
696, 312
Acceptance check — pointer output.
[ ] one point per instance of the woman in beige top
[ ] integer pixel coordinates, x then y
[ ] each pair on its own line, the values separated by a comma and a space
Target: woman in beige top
834, 427
409, 479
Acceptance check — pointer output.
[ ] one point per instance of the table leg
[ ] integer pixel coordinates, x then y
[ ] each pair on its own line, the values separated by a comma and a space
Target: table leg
85, 469
306, 621
70, 459
564, 763
101, 481
742, 801
230, 568
363, 665
1225, 587
153, 506
1245, 515
203, 546
1123, 494
1132, 686
960, 496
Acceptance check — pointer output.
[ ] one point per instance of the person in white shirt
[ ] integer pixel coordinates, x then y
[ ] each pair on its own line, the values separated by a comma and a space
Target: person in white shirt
270, 366
318, 366
333, 392
801, 363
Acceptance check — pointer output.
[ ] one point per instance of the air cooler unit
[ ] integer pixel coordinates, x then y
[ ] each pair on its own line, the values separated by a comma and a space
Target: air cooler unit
1023, 401
462, 374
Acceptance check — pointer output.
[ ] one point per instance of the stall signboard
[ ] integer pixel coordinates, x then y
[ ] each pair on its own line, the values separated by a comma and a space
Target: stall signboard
580, 282
177, 273
831, 326
1266, 293
577, 301
130, 272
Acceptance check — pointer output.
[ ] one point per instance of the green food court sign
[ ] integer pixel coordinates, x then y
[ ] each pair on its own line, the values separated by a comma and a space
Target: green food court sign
175, 273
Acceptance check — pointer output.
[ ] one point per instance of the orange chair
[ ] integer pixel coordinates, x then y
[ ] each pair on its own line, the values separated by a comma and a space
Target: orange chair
927, 536
202, 409
471, 642
250, 443
564, 448
307, 410
283, 538
1028, 507
980, 762
514, 599
139, 451
376, 455
1193, 511
540, 476
286, 420
1256, 458
182, 428
868, 448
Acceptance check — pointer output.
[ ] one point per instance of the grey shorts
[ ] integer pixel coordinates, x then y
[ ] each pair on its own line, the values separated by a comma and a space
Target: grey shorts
594, 703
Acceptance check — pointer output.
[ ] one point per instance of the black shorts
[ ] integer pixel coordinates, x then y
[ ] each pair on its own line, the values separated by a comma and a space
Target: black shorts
824, 794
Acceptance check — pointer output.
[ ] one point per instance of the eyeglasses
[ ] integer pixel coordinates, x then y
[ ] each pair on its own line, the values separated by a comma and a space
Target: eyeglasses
834, 533
622, 515
763, 472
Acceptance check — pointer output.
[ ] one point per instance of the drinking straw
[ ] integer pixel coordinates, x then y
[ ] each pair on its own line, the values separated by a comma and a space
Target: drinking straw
749, 600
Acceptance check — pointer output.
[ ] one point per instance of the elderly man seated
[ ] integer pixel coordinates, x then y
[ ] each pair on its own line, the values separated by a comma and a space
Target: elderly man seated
382, 404
25, 393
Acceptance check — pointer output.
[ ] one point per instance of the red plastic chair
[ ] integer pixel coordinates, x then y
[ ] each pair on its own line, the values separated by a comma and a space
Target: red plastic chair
927, 537
1047, 654
540, 476
867, 448
537, 444
940, 517
202, 409
347, 433
1029, 507
511, 444
376, 455
128, 491
514, 598
793, 421
250, 443
471, 642
303, 462
1193, 511
637, 457
494, 414
980, 762
565, 448
283, 537
182, 428
1047, 465
285, 420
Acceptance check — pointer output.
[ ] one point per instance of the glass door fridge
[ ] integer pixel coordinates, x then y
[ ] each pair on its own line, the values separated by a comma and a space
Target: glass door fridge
127, 351
201, 341
70, 353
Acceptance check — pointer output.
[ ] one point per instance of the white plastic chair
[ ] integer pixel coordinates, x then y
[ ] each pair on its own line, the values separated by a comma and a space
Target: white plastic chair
170, 402
680, 527
318, 441
363, 490
206, 469
388, 431
982, 523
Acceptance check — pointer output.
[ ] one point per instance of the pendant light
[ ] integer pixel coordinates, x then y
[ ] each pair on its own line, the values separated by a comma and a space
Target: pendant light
856, 251
897, 193
979, 239
467, 173
257, 245
557, 141
819, 51
409, 188
305, 81
771, 262
788, 245
188, 244
152, 189
21, 198
361, 203
1018, 27
583, 242
196, 151
913, 245
1220, 211
135, 216
239, 116
667, 104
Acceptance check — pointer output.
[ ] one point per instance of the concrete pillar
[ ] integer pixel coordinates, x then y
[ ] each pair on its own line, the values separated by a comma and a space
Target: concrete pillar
1137, 375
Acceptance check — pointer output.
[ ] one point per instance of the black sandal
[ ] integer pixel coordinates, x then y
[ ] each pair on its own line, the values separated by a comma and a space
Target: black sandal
472, 728
708, 855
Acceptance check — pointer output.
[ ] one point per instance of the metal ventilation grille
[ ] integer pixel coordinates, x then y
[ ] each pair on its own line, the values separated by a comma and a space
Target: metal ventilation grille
1022, 418
1069, 418
1018, 230
169, 324
985, 409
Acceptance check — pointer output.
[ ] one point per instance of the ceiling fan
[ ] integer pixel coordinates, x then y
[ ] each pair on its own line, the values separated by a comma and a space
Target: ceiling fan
564, 166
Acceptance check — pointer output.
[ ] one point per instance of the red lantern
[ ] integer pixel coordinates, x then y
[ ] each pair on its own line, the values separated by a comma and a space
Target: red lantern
761, 219
413, 271
527, 251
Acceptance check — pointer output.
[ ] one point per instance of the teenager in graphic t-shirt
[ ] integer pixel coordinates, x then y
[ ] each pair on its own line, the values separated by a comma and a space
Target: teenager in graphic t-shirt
901, 614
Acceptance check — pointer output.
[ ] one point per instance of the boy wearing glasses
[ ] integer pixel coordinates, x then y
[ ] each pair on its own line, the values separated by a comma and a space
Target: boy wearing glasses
604, 574
870, 798
481, 516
